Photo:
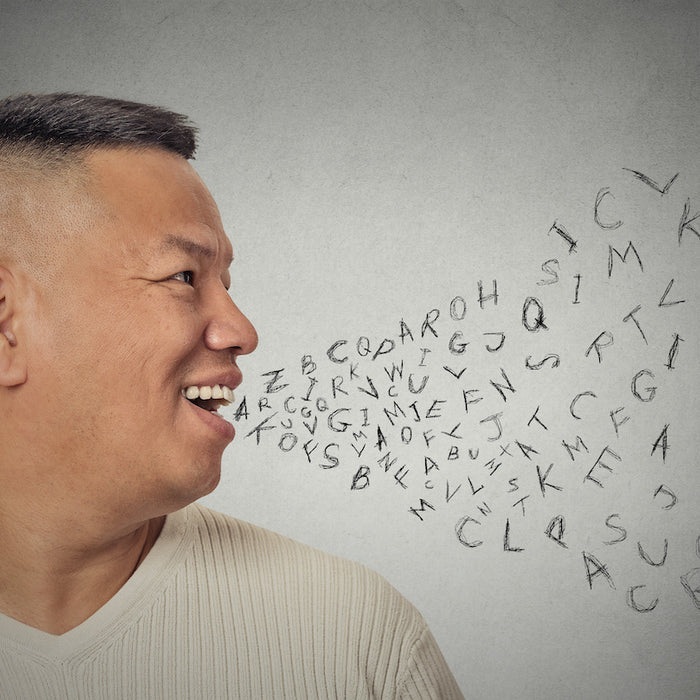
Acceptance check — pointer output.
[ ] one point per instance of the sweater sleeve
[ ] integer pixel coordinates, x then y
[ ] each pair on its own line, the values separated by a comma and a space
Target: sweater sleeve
427, 675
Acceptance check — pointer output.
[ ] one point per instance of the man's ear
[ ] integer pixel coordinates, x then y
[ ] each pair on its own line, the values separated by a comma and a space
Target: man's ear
13, 366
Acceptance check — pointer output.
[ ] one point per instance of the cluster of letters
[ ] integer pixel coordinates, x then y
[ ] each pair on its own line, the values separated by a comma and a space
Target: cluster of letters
512, 414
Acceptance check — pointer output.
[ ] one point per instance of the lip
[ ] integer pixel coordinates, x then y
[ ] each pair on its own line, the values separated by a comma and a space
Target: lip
214, 421
231, 379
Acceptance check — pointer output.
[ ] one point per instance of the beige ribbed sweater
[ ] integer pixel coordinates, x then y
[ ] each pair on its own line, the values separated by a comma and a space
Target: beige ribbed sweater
223, 609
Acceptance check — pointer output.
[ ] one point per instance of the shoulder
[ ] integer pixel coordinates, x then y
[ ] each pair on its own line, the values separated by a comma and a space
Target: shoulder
284, 566
327, 612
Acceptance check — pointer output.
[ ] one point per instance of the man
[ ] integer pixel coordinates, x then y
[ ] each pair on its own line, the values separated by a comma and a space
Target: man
118, 343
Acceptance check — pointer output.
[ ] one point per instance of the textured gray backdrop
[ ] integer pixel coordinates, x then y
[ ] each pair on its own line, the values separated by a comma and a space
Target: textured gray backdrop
375, 162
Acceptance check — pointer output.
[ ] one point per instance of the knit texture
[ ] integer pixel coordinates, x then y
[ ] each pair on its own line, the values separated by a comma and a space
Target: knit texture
224, 609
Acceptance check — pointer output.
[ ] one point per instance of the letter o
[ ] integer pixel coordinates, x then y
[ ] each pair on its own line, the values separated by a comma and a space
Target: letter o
456, 304
284, 443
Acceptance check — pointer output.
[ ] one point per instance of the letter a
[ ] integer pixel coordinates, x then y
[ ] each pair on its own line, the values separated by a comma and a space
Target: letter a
598, 570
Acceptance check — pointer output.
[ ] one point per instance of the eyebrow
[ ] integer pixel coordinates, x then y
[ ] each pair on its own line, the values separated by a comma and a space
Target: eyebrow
187, 245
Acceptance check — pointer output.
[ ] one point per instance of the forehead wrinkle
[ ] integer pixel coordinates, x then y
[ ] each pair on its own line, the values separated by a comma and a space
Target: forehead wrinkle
187, 245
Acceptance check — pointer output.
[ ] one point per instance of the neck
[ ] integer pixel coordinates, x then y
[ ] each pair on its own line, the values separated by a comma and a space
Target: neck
54, 580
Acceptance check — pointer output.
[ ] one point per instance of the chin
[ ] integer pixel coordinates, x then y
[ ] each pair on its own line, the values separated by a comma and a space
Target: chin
193, 482
213, 483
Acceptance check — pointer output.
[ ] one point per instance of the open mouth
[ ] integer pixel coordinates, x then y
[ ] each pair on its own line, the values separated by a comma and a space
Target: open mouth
210, 398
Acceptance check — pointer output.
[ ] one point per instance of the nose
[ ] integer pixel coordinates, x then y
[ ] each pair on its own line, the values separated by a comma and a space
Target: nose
228, 328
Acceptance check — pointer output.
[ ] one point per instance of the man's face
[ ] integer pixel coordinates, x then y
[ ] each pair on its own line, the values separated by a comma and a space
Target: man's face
139, 315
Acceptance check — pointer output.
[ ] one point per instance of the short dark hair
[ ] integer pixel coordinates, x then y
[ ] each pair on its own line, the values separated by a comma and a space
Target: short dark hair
64, 124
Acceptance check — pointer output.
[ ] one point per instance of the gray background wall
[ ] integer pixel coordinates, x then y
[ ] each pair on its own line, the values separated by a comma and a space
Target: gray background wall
375, 163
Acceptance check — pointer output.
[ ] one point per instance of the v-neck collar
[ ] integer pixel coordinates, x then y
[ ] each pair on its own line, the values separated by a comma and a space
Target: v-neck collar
119, 611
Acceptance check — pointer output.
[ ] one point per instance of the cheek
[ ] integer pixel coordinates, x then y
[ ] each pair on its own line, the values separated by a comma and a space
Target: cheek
148, 356
127, 349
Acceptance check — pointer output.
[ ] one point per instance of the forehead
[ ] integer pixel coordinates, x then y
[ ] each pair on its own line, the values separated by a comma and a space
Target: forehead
155, 201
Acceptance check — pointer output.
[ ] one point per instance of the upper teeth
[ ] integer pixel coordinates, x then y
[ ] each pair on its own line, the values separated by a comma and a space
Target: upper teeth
217, 391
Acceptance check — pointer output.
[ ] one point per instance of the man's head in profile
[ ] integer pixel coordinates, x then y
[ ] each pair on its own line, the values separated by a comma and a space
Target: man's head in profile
118, 338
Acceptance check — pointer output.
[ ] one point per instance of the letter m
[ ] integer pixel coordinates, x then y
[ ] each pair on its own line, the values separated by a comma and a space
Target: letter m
574, 448
423, 505
391, 415
623, 257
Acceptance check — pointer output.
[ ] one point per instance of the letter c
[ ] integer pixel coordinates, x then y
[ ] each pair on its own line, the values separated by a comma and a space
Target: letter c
333, 348
575, 401
460, 536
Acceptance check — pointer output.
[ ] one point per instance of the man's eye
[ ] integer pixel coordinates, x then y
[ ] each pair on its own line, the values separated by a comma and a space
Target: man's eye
186, 276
